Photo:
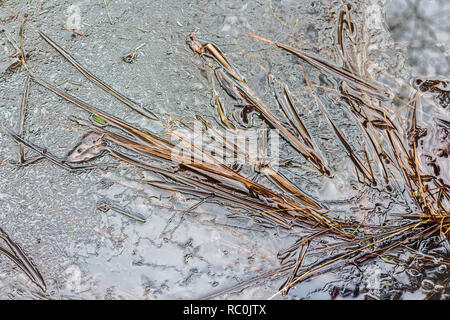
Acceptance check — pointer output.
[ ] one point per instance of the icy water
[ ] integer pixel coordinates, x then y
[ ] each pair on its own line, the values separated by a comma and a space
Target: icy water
85, 253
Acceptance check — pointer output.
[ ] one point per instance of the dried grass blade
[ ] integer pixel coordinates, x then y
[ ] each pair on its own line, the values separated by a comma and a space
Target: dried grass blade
222, 114
319, 63
301, 255
23, 112
308, 138
22, 261
133, 105
145, 136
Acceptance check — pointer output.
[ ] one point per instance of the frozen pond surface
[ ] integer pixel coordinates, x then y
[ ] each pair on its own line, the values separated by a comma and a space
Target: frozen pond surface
84, 253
